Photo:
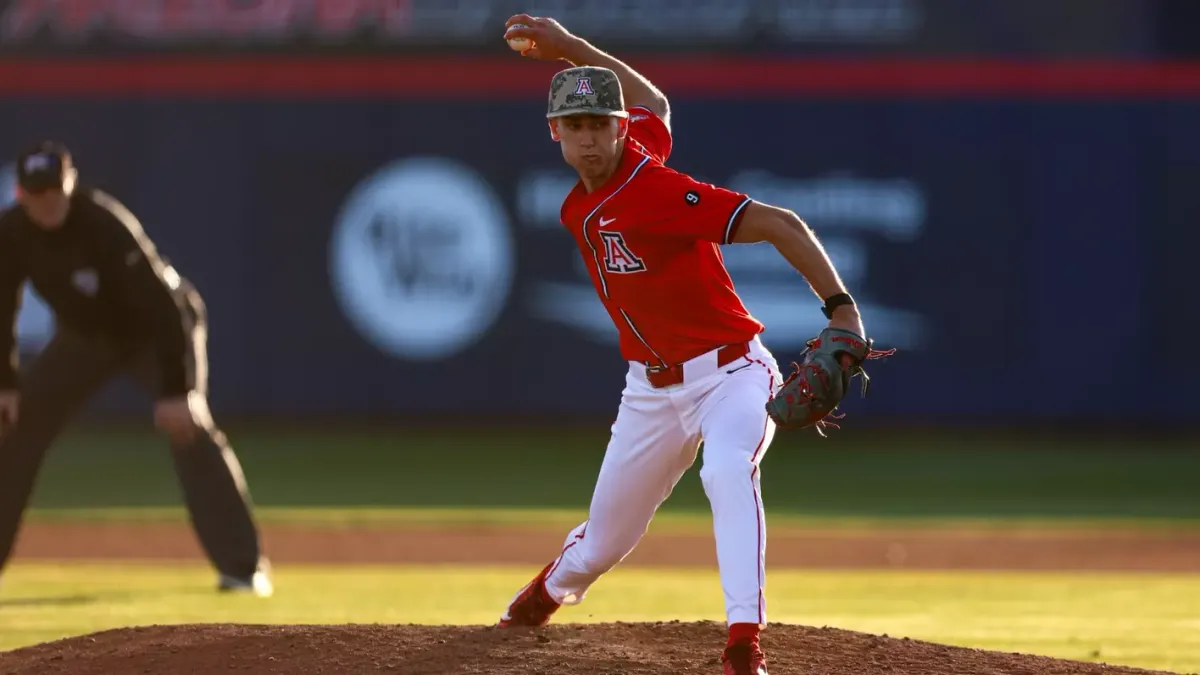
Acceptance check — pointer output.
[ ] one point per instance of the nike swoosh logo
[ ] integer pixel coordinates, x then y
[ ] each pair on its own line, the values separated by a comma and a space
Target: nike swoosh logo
730, 372
605, 221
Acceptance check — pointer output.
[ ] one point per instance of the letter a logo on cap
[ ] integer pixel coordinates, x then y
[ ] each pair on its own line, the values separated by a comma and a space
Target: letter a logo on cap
584, 87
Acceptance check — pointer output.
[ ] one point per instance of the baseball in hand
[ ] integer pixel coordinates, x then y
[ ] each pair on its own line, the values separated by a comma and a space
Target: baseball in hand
519, 44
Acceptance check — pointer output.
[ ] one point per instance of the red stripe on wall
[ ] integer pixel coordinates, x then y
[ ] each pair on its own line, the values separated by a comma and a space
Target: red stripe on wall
512, 77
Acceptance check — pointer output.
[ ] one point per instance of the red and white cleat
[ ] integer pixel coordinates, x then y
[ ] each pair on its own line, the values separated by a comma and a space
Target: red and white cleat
744, 658
533, 606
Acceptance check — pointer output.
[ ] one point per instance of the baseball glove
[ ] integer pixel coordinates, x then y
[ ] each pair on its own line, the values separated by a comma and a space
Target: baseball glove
811, 395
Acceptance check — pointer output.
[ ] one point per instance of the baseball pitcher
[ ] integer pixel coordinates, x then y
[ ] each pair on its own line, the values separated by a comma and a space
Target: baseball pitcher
698, 371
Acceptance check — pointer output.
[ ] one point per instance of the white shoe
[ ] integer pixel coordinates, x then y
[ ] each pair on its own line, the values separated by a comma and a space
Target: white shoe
259, 584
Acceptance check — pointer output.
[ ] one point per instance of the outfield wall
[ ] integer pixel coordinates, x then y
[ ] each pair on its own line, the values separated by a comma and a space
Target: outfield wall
382, 237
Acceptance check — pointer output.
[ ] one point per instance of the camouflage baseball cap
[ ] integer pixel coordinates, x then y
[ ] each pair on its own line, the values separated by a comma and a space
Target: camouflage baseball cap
586, 90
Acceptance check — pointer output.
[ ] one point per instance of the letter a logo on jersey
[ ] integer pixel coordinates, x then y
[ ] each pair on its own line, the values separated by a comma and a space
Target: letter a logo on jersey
618, 259
584, 87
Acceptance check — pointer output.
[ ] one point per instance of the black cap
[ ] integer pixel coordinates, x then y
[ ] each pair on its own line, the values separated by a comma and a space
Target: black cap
44, 167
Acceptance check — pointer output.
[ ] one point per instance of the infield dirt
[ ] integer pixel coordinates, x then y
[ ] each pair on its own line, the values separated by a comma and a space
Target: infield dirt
591, 649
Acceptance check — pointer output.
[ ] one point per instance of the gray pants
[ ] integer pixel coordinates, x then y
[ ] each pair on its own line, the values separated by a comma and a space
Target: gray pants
68, 372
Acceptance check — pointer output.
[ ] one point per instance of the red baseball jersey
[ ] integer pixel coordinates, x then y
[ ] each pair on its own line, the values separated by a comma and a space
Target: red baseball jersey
650, 237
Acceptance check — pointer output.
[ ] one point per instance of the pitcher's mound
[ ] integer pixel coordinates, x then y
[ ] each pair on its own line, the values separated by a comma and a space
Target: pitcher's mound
590, 649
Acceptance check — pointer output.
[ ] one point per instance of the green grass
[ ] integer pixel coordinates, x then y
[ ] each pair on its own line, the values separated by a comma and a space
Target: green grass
1140, 620
853, 476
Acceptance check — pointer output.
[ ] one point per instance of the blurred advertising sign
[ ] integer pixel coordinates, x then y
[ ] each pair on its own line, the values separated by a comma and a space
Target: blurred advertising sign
935, 27
397, 255
421, 258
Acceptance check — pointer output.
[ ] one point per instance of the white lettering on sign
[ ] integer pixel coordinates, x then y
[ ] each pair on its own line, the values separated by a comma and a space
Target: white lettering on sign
893, 207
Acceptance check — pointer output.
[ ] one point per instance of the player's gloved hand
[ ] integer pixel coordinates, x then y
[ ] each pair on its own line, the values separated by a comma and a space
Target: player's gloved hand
173, 416
551, 42
10, 401
811, 394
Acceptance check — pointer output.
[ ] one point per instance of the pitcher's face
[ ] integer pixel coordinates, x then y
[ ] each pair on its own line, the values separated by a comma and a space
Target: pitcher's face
591, 144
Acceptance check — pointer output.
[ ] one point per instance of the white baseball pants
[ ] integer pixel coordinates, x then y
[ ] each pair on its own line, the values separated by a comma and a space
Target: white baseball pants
654, 441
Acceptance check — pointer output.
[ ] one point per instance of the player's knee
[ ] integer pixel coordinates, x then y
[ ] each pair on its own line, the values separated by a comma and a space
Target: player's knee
722, 469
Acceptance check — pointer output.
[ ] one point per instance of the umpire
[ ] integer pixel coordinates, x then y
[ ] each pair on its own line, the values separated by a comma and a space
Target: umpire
119, 309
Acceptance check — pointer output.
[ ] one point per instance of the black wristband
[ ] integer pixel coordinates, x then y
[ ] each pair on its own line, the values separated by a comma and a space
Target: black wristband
835, 301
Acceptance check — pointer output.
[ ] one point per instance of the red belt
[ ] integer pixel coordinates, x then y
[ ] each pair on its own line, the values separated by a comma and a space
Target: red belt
666, 376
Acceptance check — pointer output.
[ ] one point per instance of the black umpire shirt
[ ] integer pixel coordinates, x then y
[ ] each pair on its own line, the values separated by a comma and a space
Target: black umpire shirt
102, 276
